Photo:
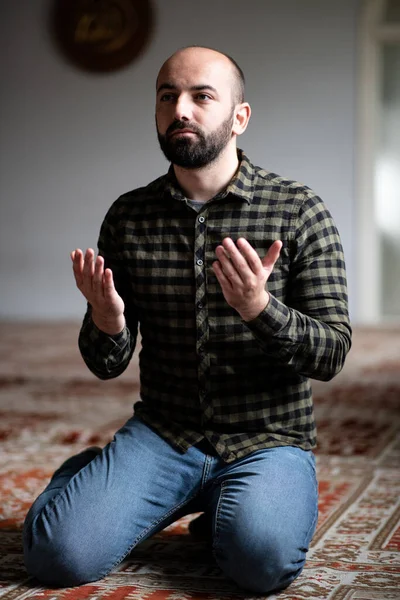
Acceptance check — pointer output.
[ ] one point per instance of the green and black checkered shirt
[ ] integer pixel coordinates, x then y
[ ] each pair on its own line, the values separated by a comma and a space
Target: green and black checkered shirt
205, 373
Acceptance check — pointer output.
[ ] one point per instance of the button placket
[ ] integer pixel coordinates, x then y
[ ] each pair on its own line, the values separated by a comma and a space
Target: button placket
203, 364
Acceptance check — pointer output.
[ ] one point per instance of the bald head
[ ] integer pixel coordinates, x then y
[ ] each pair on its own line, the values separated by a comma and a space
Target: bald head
208, 56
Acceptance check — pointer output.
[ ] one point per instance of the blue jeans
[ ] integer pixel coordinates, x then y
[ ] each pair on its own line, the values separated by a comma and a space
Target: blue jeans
99, 506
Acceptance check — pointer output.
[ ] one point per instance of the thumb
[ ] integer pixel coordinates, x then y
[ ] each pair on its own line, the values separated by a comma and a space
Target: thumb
269, 260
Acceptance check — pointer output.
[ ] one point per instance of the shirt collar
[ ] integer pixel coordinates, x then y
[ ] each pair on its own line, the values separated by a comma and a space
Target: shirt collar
241, 185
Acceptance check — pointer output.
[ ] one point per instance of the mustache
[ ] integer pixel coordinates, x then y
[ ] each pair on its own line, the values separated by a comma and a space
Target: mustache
176, 125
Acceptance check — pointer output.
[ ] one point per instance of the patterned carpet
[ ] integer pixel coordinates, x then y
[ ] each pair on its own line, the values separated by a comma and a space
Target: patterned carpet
52, 407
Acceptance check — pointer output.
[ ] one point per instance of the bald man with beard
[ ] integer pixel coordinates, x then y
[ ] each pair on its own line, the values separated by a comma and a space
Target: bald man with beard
236, 278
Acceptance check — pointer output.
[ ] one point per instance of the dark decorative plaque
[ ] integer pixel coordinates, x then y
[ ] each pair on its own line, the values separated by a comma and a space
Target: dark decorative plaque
102, 35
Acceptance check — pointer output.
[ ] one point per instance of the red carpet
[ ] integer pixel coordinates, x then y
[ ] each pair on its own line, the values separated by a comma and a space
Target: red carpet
52, 407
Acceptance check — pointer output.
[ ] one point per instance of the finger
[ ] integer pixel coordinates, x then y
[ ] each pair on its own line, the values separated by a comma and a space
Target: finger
272, 255
225, 283
245, 268
88, 267
250, 255
77, 266
76, 255
108, 284
227, 266
97, 281
223, 256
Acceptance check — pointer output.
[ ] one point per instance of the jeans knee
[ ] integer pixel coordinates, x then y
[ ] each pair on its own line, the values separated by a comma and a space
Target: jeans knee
258, 572
59, 562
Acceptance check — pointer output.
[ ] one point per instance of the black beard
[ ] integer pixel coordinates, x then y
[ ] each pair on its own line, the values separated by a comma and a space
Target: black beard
193, 153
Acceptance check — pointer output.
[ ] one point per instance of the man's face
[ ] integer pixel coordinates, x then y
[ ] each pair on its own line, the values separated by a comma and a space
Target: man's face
194, 107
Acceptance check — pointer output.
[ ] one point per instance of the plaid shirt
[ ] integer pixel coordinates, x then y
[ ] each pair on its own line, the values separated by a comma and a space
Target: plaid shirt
205, 373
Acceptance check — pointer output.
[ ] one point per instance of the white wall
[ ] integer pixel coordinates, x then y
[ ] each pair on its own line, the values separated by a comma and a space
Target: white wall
72, 142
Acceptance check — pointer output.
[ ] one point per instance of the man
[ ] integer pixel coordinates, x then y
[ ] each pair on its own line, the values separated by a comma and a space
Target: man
236, 278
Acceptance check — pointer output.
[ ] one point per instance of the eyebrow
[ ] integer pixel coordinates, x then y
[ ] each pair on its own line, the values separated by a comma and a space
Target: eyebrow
194, 88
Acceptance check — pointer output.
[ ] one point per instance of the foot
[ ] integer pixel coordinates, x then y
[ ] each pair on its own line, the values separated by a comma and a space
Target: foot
74, 463
95, 449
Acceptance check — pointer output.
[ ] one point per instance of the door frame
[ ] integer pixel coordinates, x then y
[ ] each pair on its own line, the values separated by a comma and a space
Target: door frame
372, 34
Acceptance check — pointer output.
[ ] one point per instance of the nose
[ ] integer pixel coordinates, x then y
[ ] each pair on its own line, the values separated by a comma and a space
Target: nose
183, 109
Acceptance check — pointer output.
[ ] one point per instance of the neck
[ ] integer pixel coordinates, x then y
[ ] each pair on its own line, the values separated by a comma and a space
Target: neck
206, 182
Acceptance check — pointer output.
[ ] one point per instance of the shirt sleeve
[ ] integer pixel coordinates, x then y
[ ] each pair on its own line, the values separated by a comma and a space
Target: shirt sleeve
310, 330
108, 356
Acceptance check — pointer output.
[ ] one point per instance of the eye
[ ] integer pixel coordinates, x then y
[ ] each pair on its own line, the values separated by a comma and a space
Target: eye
203, 96
167, 97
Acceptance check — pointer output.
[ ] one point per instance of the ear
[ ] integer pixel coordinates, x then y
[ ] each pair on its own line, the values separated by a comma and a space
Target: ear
241, 118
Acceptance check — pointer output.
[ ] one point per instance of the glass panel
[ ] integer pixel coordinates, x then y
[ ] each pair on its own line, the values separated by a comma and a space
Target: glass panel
392, 11
388, 182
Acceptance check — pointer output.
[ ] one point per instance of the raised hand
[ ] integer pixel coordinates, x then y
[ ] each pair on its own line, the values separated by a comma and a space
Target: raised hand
97, 285
243, 275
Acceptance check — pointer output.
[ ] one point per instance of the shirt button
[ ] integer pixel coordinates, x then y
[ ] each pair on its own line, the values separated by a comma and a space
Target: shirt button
199, 262
201, 219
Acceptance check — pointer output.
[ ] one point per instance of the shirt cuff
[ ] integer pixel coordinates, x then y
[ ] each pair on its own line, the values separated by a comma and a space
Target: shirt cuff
118, 340
271, 320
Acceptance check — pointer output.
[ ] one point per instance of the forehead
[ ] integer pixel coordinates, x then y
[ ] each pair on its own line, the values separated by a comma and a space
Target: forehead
189, 69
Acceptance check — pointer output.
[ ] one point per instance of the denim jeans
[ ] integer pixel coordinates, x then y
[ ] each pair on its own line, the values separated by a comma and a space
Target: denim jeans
99, 506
